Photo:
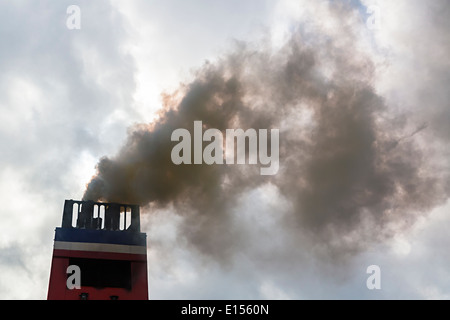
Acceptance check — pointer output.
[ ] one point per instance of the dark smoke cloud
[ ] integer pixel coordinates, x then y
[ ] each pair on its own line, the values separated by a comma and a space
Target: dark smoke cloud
351, 169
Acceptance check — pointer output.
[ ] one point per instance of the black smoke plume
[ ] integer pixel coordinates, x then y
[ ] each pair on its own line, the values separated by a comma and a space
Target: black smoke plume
351, 168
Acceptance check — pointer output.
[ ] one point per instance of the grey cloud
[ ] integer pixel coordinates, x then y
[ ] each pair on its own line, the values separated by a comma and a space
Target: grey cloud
354, 170
73, 100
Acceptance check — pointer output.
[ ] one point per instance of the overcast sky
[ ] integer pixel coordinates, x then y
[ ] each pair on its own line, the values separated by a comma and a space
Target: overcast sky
70, 97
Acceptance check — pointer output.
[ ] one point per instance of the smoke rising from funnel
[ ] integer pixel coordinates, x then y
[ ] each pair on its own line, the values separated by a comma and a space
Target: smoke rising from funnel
347, 165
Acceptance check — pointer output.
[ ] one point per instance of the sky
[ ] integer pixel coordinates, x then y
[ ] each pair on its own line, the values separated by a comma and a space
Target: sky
358, 90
